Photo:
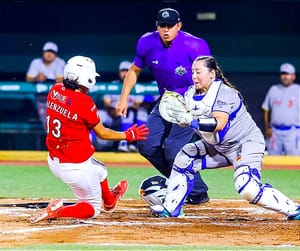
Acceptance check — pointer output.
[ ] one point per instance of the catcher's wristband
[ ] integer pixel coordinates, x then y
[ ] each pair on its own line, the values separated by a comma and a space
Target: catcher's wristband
205, 125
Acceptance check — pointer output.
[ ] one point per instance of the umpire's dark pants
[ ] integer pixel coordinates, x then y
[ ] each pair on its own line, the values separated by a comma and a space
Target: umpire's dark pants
163, 143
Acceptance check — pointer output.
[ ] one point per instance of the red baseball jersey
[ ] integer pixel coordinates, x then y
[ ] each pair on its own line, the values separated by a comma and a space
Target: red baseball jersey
70, 116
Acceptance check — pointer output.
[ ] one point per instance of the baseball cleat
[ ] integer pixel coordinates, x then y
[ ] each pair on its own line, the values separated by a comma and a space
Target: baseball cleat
119, 190
295, 216
160, 212
197, 199
49, 213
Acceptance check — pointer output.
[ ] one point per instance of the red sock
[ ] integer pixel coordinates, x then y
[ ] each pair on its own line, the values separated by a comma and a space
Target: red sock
81, 210
107, 195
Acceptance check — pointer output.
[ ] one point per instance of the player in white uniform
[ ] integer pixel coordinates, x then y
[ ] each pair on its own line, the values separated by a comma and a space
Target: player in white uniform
282, 114
229, 137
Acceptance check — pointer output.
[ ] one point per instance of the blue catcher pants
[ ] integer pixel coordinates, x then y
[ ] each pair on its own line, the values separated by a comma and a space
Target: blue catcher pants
163, 143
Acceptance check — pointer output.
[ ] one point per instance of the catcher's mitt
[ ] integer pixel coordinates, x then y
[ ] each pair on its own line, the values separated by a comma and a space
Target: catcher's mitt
172, 107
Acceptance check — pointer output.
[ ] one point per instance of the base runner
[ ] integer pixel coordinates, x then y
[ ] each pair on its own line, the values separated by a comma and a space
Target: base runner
71, 114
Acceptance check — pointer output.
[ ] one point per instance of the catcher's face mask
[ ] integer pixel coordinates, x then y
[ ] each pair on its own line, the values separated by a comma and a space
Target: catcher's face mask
153, 190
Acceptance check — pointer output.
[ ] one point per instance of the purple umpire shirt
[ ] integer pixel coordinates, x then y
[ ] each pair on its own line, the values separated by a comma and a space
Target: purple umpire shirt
171, 66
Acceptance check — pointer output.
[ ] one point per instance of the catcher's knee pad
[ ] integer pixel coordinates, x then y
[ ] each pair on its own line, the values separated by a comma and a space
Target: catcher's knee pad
191, 155
195, 149
153, 190
247, 183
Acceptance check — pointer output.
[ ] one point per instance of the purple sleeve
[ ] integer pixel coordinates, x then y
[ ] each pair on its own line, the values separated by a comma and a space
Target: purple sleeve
200, 48
205, 48
141, 48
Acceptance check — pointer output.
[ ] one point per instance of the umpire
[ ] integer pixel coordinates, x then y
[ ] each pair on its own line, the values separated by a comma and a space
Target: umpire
168, 52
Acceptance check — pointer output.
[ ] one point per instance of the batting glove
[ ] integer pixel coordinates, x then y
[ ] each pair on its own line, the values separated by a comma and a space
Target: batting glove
136, 133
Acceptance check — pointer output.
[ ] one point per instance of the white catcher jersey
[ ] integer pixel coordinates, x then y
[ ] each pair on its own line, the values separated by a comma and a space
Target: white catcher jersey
223, 98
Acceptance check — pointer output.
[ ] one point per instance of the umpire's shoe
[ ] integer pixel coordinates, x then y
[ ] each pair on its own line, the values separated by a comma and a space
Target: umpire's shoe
197, 199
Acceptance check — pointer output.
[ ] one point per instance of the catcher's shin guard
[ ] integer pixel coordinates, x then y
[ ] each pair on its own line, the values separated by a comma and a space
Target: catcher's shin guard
248, 184
180, 185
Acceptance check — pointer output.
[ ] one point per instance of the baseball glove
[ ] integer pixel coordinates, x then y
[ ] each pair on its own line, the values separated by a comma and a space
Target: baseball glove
172, 107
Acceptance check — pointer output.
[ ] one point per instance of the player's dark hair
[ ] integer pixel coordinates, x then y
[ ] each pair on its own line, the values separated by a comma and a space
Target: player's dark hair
211, 63
70, 84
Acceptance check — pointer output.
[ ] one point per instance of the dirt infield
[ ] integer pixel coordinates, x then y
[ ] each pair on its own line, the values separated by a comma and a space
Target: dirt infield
218, 222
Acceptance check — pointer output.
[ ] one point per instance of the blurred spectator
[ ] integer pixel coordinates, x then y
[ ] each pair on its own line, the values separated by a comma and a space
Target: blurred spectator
48, 68
137, 114
282, 114
108, 115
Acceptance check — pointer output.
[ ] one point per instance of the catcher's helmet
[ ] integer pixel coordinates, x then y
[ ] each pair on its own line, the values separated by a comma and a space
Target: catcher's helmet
81, 70
153, 190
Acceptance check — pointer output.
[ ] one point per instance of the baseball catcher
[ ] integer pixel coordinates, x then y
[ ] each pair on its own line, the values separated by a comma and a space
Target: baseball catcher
229, 137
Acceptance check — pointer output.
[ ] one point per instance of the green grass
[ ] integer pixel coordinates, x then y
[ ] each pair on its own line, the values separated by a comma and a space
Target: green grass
38, 182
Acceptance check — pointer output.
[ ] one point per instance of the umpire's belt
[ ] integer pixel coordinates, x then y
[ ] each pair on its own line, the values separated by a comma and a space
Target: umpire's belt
285, 128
